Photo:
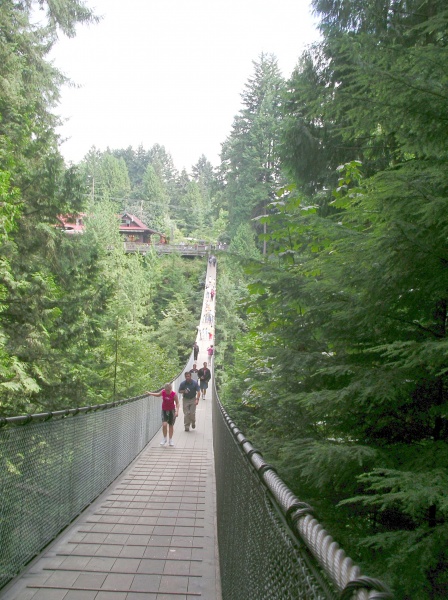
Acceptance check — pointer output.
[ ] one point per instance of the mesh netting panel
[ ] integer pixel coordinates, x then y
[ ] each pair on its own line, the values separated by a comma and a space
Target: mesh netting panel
51, 470
259, 555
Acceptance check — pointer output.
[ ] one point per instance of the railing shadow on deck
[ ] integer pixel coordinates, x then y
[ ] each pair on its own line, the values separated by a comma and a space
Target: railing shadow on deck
53, 465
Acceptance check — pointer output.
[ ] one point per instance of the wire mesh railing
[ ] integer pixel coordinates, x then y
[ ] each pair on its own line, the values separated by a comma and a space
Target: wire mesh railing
53, 465
270, 545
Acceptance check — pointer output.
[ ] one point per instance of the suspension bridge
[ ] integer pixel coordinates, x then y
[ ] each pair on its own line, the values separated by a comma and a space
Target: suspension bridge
94, 508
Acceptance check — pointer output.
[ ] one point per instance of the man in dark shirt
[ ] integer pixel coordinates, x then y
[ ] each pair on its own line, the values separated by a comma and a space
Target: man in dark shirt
204, 377
195, 351
190, 397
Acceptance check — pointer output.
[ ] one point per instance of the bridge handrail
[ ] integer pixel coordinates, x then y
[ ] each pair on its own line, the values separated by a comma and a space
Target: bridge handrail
54, 464
60, 414
337, 577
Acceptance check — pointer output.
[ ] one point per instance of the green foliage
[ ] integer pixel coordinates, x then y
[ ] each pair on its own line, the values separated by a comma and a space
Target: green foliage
243, 243
35, 188
231, 288
192, 210
341, 375
106, 177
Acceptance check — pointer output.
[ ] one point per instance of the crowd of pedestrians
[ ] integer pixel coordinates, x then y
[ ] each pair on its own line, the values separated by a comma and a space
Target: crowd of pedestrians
195, 383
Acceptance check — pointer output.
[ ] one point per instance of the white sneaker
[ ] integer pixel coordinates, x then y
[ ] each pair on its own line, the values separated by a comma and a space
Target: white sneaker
171, 443
163, 442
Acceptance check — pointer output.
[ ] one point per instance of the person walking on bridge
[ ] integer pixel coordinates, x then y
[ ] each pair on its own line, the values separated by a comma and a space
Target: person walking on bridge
210, 353
195, 351
170, 410
191, 392
194, 373
204, 378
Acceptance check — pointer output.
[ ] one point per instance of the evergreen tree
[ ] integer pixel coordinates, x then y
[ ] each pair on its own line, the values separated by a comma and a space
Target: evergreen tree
250, 159
243, 243
346, 378
137, 163
193, 210
203, 174
115, 182
90, 171
155, 200
36, 180
106, 177
163, 164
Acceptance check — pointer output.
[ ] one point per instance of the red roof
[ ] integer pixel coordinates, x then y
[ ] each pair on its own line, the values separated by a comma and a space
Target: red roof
75, 224
72, 223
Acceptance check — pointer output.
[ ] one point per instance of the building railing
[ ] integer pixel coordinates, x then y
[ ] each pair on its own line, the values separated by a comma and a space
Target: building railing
182, 249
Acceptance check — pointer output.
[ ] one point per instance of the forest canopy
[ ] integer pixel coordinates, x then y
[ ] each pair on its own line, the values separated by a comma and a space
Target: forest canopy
81, 322
333, 339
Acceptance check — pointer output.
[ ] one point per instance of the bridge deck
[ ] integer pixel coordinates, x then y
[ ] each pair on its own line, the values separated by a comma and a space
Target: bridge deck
150, 535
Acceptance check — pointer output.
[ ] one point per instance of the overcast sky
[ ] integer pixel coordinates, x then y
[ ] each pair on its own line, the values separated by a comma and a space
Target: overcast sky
171, 71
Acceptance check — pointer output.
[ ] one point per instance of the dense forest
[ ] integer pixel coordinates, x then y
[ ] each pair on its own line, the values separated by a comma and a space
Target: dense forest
81, 322
332, 300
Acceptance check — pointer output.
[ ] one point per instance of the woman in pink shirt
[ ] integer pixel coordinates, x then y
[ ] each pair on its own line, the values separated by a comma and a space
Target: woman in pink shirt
170, 410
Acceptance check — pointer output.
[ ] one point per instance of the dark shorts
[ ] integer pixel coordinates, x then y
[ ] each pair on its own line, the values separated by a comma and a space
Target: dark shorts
203, 384
169, 416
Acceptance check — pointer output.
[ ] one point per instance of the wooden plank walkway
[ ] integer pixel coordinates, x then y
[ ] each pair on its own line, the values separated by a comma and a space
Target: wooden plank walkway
150, 536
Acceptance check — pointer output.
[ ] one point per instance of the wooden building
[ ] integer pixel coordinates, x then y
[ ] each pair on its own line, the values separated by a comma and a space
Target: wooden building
130, 227
134, 230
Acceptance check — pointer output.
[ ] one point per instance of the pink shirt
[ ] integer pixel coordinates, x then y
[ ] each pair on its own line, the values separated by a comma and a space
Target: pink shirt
168, 400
